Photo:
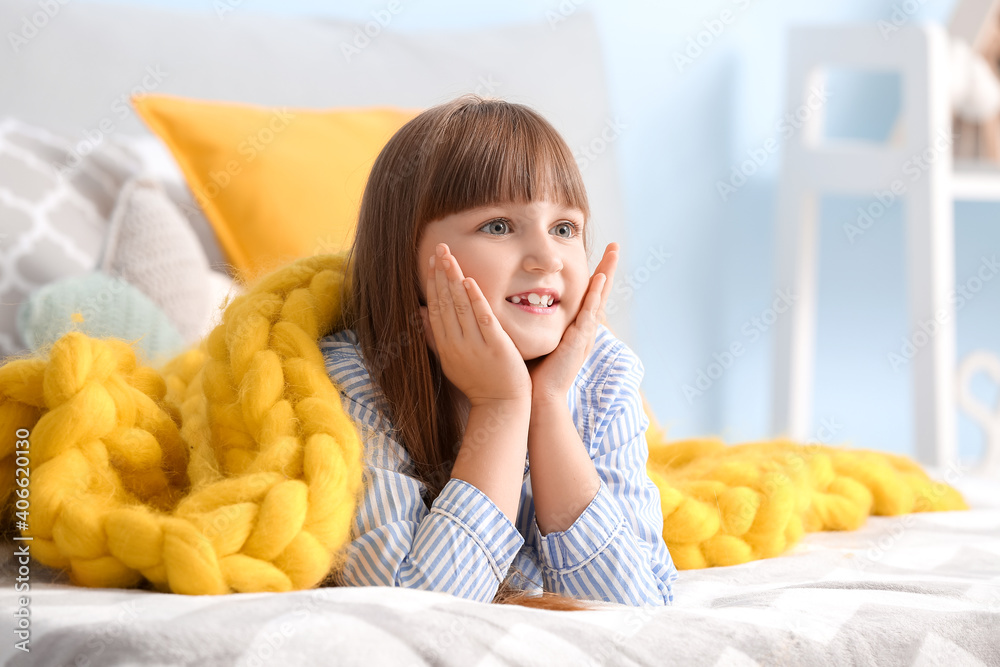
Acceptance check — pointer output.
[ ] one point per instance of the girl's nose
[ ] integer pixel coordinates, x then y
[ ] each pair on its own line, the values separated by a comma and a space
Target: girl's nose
544, 257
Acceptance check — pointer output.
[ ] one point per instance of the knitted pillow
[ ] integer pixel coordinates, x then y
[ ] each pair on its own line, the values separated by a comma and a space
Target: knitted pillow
152, 246
54, 206
159, 164
101, 306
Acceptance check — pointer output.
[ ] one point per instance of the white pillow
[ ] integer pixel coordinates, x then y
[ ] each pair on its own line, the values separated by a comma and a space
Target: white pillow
221, 290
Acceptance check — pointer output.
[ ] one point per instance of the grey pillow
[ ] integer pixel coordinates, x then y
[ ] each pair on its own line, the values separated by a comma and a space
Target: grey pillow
151, 245
159, 164
180, 195
54, 204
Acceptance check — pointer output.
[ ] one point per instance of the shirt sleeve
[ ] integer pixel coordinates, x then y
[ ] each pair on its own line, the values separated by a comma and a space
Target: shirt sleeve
463, 544
615, 550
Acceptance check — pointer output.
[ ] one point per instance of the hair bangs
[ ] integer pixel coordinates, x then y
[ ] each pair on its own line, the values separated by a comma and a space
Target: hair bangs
490, 153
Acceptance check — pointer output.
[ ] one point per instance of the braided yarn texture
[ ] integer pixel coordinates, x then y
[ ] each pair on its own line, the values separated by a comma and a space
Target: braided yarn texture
730, 504
233, 468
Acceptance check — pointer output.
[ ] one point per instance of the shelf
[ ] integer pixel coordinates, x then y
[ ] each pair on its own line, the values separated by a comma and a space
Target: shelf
974, 180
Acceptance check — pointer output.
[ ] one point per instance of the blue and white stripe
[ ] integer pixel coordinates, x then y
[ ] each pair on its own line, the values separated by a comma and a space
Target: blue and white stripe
464, 545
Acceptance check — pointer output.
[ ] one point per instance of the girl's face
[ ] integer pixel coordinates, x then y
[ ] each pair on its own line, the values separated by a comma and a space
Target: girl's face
515, 249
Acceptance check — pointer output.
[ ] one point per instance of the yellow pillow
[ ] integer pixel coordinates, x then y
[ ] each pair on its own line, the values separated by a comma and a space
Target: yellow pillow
276, 184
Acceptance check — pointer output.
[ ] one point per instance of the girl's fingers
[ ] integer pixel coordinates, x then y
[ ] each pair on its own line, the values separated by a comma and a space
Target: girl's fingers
595, 300
611, 258
598, 290
485, 322
450, 327
606, 268
585, 325
591, 302
435, 306
461, 300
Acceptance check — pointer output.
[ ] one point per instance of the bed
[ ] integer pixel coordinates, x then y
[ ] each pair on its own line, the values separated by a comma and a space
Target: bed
918, 589
914, 589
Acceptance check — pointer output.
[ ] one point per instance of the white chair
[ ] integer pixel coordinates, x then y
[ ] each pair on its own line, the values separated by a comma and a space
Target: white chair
811, 167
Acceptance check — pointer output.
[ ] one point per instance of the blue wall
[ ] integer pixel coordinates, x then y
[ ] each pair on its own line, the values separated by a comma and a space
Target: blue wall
688, 125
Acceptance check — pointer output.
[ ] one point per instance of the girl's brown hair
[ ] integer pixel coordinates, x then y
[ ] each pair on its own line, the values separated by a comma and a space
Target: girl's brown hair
463, 154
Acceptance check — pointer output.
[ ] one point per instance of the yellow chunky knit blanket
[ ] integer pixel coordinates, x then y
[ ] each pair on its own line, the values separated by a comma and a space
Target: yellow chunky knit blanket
233, 468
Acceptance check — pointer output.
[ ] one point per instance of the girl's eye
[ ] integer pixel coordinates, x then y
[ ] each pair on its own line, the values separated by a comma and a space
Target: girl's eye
576, 229
499, 224
496, 223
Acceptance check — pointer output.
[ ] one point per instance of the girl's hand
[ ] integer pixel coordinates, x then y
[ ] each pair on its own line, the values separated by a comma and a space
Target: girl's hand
476, 354
552, 375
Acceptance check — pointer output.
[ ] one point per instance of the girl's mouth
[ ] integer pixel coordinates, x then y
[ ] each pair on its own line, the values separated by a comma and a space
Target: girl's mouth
542, 301
540, 310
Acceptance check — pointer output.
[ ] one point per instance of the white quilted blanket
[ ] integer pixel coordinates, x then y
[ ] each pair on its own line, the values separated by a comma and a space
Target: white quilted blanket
920, 589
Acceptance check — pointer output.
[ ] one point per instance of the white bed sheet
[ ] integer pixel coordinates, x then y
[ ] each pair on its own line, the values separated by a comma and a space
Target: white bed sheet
921, 589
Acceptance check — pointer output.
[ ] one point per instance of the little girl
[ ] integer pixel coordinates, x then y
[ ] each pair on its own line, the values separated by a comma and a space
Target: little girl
503, 429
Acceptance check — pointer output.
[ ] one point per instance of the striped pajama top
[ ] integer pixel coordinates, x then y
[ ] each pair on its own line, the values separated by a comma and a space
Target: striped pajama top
465, 545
